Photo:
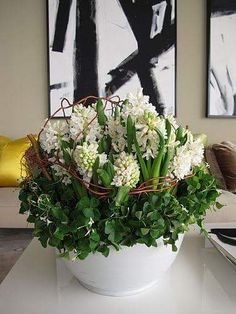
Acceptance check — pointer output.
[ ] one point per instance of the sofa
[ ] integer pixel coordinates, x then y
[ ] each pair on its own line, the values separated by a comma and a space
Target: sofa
11, 173
9, 209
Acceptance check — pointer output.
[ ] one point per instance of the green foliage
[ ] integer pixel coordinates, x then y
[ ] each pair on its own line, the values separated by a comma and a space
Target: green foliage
74, 222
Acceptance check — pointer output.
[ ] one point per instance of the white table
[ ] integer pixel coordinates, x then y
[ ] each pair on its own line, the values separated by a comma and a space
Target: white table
200, 281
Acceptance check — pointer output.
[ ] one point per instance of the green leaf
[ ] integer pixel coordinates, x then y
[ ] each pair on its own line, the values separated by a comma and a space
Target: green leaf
83, 202
100, 111
88, 212
58, 213
129, 133
53, 241
145, 231
94, 202
43, 239
168, 131
78, 188
117, 113
95, 168
155, 233
109, 168
31, 219
140, 158
166, 162
83, 254
65, 146
109, 227
61, 231
24, 207
157, 161
139, 214
219, 205
104, 176
104, 250
93, 244
179, 133
122, 195
95, 236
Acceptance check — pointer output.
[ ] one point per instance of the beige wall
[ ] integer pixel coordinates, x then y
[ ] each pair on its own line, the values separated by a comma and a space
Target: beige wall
23, 69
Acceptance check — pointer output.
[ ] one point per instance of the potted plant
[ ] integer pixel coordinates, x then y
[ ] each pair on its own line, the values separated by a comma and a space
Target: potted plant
113, 188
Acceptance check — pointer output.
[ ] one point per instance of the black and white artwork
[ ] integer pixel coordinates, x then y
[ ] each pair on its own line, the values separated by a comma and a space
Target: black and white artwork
222, 58
112, 47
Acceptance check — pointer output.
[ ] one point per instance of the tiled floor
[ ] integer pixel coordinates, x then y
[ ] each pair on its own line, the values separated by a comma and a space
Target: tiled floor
12, 244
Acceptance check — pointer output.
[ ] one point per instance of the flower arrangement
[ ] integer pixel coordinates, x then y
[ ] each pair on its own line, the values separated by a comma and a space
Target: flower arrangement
116, 173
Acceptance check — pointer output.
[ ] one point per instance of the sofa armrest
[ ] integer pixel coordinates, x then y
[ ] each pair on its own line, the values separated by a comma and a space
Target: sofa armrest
9, 209
225, 214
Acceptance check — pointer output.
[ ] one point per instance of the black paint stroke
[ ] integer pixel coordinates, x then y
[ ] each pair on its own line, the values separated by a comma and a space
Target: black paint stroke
59, 85
142, 61
86, 76
223, 7
62, 20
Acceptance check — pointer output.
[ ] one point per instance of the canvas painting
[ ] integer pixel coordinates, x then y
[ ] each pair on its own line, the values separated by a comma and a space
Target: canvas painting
112, 47
222, 58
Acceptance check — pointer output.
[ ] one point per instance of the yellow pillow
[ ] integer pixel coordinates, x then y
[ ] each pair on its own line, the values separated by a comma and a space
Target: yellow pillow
3, 141
11, 171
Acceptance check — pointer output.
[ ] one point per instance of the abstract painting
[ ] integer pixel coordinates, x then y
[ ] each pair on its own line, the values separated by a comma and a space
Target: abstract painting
112, 47
221, 58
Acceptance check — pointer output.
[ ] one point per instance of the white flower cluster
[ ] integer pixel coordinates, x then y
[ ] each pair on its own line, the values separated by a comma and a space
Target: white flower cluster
84, 124
53, 134
85, 156
187, 157
146, 120
84, 132
117, 133
126, 171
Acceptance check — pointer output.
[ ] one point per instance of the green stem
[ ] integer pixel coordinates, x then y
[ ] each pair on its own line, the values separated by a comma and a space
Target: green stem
140, 158
149, 166
157, 161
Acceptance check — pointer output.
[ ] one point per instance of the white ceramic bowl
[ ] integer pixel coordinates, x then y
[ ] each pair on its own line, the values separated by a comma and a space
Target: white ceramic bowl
126, 272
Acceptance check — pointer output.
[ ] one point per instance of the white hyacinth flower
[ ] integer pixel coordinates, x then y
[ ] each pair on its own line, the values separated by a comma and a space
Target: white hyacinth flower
197, 152
126, 171
136, 106
181, 163
172, 121
148, 139
84, 124
85, 156
146, 120
52, 135
117, 133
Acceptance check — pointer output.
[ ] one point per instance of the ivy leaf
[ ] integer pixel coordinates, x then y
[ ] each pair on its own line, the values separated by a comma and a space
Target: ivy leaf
104, 250
109, 227
95, 236
58, 213
88, 212
139, 214
93, 244
155, 233
145, 231
53, 241
61, 231
94, 202
219, 205
83, 202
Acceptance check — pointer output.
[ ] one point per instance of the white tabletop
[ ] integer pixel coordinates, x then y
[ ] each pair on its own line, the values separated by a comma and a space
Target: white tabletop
200, 281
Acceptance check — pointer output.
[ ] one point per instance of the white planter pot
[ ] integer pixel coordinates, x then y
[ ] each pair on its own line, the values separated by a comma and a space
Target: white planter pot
126, 272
